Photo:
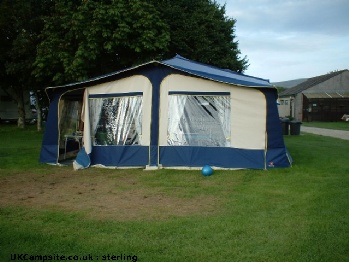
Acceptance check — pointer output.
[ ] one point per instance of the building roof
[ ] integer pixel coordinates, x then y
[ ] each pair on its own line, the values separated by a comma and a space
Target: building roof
310, 83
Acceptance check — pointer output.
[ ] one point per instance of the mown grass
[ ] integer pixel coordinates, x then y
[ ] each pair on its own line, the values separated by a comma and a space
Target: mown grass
293, 214
19, 148
341, 125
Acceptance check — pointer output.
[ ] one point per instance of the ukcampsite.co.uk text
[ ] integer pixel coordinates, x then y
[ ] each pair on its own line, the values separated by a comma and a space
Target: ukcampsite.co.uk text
89, 257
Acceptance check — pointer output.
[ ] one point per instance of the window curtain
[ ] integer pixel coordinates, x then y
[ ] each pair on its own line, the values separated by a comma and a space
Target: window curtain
199, 120
175, 134
116, 120
223, 109
95, 113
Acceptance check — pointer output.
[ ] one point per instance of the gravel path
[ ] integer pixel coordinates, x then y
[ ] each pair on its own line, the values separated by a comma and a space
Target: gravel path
326, 132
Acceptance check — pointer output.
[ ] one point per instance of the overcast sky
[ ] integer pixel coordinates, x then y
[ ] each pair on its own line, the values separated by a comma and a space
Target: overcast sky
285, 40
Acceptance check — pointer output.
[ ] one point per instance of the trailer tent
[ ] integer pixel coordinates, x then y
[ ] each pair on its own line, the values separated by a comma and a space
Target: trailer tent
171, 113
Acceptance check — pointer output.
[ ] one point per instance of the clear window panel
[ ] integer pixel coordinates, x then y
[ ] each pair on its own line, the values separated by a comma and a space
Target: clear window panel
69, 118
199, 121
116, 120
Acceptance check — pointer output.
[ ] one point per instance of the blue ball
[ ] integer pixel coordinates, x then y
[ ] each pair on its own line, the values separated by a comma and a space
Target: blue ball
206, 170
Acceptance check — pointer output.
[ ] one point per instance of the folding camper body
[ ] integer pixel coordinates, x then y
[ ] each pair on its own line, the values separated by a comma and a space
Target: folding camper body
173, 113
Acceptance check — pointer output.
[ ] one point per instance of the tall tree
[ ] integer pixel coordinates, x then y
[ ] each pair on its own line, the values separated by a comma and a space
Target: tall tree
20, 25
200, 30
82, 39
86, 38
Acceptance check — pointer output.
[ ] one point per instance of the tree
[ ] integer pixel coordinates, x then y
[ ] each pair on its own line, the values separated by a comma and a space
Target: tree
82, 39
88, 38
20, 26
201, 31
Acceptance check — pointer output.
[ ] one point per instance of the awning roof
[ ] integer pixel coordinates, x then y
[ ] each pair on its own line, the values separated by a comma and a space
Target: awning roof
215, 73
188, 66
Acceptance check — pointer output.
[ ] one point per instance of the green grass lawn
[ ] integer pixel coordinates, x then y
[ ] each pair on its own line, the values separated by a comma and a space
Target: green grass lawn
329, 125
19, 148
293, 214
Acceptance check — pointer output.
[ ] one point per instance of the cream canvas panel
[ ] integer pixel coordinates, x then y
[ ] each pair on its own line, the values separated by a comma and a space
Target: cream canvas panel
248, 126
248, 109
131, 84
